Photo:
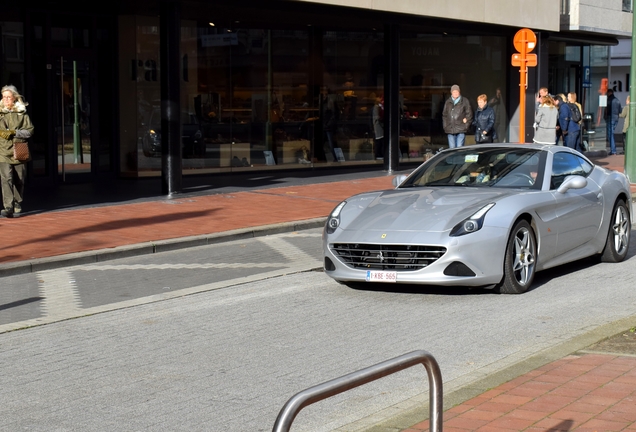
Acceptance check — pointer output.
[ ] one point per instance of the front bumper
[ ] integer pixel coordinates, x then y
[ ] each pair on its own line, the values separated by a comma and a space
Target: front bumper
482, 252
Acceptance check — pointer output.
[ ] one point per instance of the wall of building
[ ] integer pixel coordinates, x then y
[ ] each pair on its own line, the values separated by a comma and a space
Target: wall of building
600, 16
535, 14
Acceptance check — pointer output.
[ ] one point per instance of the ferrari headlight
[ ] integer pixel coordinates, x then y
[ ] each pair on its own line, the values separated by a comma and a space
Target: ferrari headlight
473, 223
333, 221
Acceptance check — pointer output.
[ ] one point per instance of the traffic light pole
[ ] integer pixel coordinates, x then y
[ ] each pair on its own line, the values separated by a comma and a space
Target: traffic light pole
523, 82
524, 41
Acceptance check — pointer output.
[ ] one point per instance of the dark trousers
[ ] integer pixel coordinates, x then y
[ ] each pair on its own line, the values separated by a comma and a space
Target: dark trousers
12, 185
572, 140
379, 148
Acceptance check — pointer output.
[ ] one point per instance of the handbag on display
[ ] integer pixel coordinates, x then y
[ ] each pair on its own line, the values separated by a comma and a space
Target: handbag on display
21, 151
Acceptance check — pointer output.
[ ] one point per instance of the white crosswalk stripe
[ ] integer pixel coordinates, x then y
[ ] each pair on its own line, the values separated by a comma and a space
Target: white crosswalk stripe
58, 290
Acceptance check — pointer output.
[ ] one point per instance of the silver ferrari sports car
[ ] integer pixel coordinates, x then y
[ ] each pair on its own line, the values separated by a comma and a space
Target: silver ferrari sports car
484, 215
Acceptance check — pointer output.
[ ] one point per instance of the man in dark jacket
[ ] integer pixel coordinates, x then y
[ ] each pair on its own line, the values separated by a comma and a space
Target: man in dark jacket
569, 128
457, 117
612, 111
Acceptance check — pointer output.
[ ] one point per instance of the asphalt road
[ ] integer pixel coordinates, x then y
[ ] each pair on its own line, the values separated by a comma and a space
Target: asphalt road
218, 338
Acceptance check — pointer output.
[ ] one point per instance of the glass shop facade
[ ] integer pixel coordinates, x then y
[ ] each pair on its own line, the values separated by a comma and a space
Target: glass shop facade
286, 86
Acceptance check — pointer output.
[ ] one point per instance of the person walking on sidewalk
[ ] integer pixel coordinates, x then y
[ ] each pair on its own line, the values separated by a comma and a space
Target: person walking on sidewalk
15, 125
457, 117
612, 111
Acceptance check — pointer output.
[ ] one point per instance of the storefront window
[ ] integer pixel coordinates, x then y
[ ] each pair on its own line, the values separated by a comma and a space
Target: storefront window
430, 64
257, 98
139, 95
352, 81
596, 58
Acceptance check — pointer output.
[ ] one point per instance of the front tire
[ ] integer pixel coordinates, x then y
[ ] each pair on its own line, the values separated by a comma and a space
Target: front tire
617, 243
520, 260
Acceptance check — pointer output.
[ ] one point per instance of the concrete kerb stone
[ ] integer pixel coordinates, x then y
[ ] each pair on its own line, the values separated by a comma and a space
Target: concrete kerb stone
101, 255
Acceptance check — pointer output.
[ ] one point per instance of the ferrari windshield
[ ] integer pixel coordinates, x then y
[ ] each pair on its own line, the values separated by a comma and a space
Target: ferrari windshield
481, 166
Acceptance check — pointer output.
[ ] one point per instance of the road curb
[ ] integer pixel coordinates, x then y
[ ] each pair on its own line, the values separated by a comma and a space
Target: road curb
146, 248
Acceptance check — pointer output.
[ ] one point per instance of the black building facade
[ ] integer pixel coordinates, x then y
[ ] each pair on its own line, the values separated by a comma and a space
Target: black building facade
177, 88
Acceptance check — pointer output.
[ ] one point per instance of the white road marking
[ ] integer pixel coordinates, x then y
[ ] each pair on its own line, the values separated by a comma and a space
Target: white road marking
288, 250
60, 297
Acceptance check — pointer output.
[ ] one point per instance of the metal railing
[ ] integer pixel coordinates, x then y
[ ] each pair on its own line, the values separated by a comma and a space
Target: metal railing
355, 379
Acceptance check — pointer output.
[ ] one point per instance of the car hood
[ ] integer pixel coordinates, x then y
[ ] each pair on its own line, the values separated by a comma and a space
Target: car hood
421, 209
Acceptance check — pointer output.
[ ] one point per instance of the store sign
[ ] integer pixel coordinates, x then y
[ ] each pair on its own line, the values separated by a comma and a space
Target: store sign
425, 51
219, 40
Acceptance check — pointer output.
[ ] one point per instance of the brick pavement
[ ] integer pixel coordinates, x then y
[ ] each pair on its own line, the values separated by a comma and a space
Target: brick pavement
586, 392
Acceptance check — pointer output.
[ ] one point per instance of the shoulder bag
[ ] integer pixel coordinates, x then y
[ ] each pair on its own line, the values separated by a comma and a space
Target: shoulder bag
21, 151
20, 147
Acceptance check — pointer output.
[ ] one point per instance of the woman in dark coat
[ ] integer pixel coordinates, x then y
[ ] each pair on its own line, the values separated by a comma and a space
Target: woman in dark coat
484, 121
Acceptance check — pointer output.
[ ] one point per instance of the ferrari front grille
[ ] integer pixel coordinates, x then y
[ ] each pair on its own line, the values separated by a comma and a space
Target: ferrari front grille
387, 257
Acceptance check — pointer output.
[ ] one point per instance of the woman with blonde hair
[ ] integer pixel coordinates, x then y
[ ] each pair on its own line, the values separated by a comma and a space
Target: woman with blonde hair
15, 125
545, 122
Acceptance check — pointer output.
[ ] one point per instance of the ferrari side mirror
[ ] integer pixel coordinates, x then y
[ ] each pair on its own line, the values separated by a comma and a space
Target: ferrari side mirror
572, 182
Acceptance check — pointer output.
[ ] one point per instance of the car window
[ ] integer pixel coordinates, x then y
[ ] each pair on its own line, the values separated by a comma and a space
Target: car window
565, 164
477, 166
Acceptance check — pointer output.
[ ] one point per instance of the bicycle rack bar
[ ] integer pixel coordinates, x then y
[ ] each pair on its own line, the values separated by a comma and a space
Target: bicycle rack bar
355, 379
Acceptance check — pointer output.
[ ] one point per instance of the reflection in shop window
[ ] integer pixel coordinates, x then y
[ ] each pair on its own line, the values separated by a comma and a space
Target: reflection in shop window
429, 65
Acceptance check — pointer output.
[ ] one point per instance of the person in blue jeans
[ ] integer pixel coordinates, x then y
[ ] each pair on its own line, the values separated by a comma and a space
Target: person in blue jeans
457, 117
612, 112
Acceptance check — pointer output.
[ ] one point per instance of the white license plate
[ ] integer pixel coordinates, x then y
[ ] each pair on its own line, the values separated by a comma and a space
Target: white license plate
381, 276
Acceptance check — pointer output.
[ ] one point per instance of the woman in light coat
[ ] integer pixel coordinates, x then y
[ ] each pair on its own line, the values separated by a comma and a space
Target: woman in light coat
15, 125
625, 114
545, 122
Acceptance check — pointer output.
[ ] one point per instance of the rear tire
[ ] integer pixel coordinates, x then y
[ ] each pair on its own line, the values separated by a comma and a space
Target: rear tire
617, 243
520, 260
